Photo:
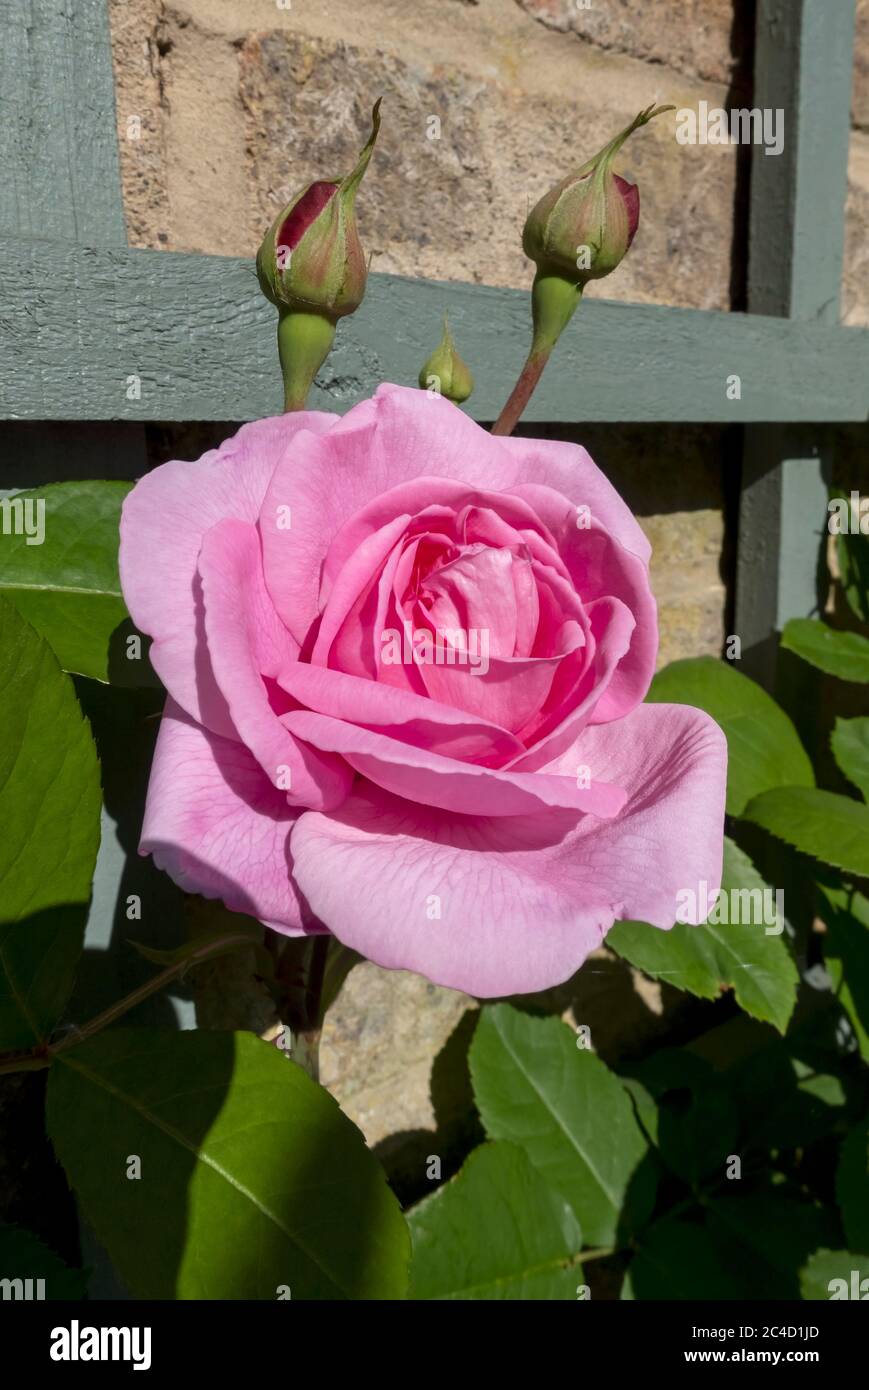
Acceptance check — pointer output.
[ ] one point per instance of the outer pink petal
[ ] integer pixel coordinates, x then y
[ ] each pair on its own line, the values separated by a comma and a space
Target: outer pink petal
464, 788
247, 641
570, 470
162, 525
513, 905
217, 827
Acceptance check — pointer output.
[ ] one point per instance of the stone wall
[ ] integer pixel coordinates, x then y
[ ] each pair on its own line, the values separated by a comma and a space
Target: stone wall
241, 102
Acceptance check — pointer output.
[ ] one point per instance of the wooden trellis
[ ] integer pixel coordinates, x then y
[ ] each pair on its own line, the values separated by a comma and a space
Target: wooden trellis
82, 312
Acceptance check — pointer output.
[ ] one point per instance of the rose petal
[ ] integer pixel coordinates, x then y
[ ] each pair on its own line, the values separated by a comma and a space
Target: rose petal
401, 715
465, 788
216, 827
600, 566
162, 524
246, 642
514, 905
400, 436
569, 470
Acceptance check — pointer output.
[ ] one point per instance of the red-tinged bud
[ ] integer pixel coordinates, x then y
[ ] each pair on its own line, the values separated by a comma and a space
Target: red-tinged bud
311, 258
583, 227
312, 267
579, 231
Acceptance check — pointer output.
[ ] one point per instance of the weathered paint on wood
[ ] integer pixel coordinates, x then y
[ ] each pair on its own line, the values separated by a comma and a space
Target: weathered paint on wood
58, 145
803, 64
82, 325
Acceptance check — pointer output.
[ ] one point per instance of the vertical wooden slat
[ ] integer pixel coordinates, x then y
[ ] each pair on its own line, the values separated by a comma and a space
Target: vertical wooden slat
58, 145
803, 64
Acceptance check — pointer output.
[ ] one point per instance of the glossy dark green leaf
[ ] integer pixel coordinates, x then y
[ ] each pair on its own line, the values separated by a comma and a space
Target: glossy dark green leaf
564, 1107
49, 811
209, 942
67, 586
829, 827
850, 744
830, 1275
495, 1231
694, 1122
252, 1181
24, 1256
852, 1187
679, 1259
783, 1102
852, 558
763, 747
767, 1238
846, 954
752, 958
841, 654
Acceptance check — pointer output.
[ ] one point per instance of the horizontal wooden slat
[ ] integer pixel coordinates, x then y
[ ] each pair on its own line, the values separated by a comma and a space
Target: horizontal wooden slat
77, 324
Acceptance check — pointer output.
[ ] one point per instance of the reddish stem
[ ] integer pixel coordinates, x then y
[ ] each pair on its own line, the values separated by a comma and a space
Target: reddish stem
522, 392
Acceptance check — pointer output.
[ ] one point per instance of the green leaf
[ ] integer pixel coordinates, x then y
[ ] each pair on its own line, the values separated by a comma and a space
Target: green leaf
822, 824
707, 959
767, 1238
212, 941
679, 1260
852, 556
568, 1111
842, 654
24, 1256
850, 744
852, 1187
784, 1103
834, 1274
694, 1124
252, 1180
496, 1231
68, 586
846, 954
763, 747
50, 813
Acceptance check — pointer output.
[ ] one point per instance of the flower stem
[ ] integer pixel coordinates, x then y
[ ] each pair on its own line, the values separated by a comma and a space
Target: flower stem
304, 991
41, 1056
304, 341
522, 392
554, 301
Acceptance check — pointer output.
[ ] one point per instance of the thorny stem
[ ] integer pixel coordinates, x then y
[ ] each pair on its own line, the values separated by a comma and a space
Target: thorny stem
300, 972
42, 1055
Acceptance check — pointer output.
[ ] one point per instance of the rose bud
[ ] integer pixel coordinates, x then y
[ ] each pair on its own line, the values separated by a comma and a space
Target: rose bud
446, 373
583, 227
579, 231
312, 267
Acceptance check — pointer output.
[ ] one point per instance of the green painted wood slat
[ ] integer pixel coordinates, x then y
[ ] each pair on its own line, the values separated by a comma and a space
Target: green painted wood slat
58, 144
200, 337
803, 65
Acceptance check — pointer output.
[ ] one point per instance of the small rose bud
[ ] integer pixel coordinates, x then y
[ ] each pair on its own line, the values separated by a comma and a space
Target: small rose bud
445, 372
579, 231
583, 227
312, 267
311, 258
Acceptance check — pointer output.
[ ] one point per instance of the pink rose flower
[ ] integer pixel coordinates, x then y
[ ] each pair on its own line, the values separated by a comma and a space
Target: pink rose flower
406, 663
